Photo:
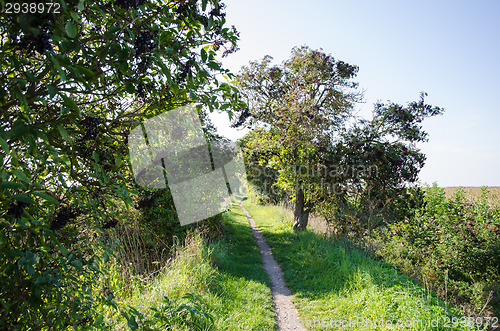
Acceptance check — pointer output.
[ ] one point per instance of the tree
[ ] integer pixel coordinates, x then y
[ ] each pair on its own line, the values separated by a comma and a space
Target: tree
301, 102
375, 161
75, 79
331, 159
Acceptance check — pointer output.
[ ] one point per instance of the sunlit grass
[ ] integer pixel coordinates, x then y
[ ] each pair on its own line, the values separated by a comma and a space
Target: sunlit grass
227, 274
334, 282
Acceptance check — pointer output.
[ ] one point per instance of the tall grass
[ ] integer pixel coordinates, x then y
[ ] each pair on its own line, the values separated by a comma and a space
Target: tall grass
334, 282
225, 278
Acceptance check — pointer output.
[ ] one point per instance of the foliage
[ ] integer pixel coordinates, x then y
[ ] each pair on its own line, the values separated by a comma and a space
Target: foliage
375, 164
453, 242
156, 206
73, 84
256, 149
385, 143
301, 103
158, 216
169, 316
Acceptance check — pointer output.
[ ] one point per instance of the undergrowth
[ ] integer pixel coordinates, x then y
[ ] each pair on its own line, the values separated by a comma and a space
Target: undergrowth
453, 245
207, 284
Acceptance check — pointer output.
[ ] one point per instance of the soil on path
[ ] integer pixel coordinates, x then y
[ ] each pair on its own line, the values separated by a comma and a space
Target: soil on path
287, 315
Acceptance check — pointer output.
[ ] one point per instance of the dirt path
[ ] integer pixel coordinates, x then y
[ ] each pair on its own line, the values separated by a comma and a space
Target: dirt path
286, 313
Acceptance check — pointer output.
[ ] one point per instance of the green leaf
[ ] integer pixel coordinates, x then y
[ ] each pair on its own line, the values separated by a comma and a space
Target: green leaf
129, 87
70, 102
59, 69
132, 323
64, 133
42, 136
30, 270
64, 251
21, 175
24, 198
31, 77
85, 71
123, 67
12, 186
52, 90
105, 257
210, 22
4, 145
77, 264
75, 17
130, 33
113, 29
64, 59
81, 5
225, 87
18, 129
46, 196
203, 55
70, 29
118, 161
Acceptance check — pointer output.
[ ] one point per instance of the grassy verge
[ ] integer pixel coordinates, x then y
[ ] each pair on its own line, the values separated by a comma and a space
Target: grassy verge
226, 276
336, 284
452, 244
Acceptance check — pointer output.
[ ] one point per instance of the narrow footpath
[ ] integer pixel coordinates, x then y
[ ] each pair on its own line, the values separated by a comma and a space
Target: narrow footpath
287, 315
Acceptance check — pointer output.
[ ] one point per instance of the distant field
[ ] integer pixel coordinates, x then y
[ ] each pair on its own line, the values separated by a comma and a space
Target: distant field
475, 192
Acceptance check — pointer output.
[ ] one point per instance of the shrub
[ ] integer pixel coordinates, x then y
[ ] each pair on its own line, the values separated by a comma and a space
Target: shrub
454, 244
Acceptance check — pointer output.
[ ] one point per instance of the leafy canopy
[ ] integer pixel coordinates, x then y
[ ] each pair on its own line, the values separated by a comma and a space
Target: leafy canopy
72, 85
304, 109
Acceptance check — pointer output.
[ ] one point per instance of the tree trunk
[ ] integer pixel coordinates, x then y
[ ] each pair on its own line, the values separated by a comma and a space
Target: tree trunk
300, 214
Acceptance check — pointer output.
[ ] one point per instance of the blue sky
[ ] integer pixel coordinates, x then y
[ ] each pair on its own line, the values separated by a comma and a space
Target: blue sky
449, 49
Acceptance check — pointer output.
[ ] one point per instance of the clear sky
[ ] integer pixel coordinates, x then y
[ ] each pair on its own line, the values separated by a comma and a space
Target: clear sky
449, 49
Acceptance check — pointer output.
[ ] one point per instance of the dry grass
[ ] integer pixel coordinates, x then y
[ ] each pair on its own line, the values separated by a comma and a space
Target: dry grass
475, 192
139, 252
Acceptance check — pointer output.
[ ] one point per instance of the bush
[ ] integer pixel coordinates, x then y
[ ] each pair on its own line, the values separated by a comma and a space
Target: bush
158, 218
49, 262
358, 215
454, 245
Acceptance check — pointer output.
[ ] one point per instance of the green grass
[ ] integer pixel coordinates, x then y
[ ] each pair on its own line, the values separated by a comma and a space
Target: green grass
227, 274
333, 281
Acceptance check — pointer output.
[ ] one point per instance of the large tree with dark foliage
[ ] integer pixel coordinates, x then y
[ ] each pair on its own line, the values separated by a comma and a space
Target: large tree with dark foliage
301, 101
322, 153
374, 164
74, 81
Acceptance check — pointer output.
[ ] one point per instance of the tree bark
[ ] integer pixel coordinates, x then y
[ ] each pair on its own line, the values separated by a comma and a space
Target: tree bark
301, 213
